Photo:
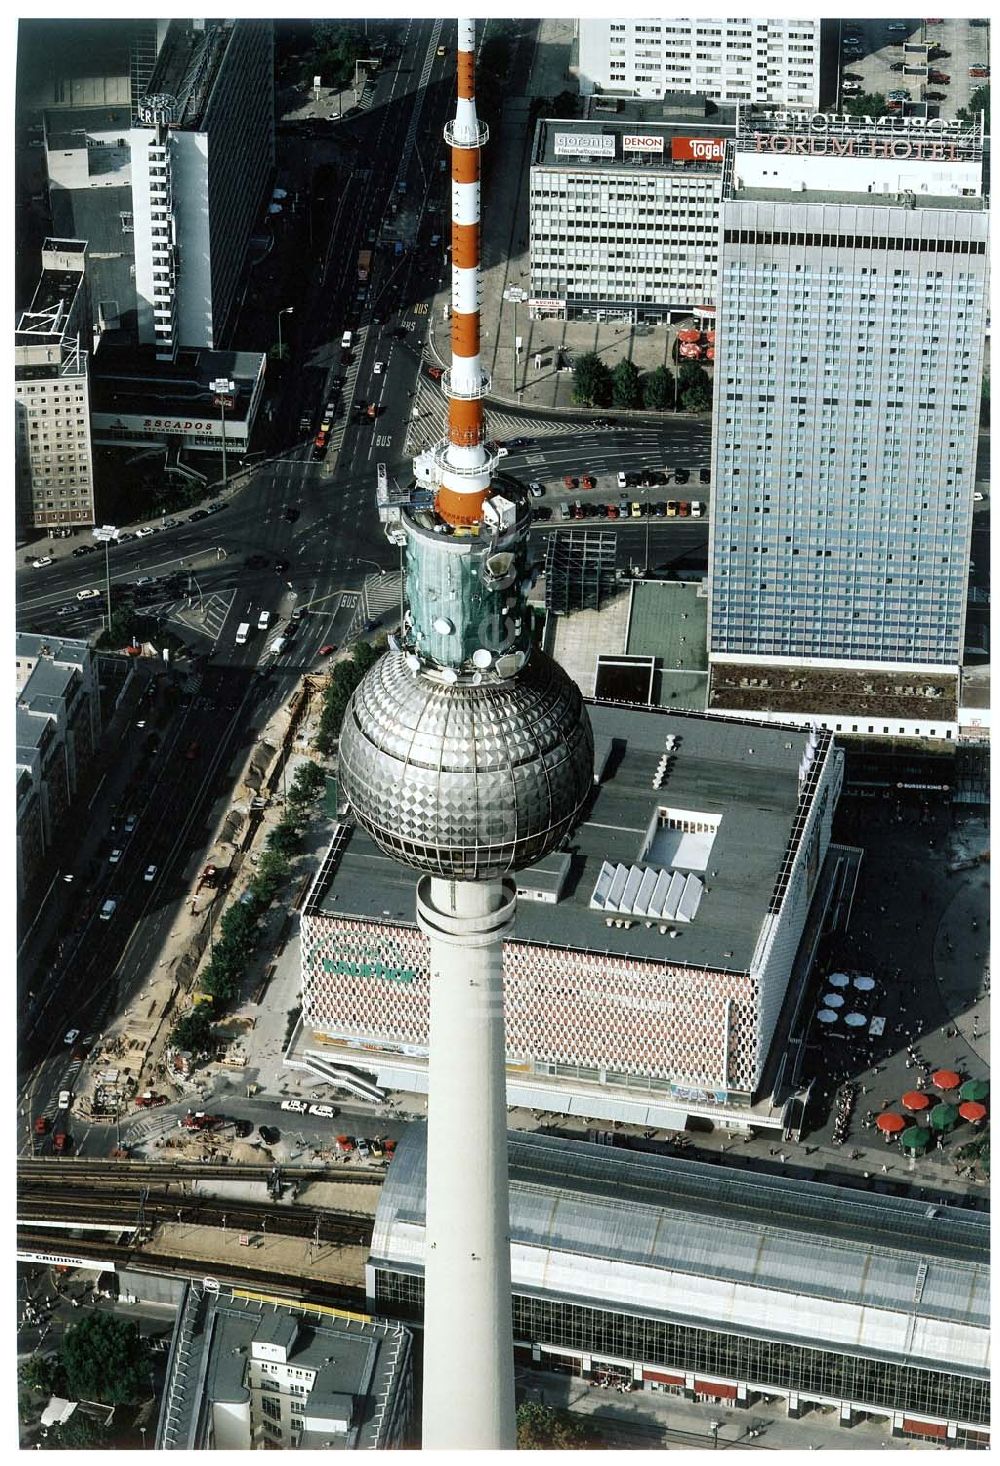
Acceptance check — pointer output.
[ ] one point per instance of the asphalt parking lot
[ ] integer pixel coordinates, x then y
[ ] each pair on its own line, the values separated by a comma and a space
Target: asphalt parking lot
964, 41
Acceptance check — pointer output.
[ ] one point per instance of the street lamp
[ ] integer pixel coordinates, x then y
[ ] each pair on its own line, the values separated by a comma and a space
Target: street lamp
223, 387
288, 310
514, 294
107, 535
715, 1426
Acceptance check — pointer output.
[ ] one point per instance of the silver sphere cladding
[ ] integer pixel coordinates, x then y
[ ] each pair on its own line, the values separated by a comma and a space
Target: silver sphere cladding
467, 782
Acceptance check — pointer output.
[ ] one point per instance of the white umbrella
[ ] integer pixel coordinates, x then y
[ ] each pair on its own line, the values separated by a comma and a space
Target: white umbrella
838, 980
864, 984
825, 1016
833, 1000
855, 1020
279, 193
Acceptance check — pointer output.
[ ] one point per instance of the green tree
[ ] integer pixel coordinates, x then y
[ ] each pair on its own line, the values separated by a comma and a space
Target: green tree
541, 1428
658, 389
271, 874
338, 44
339, 690
625, 388
222, 977
285, 837
239, 927
591, 381
978, 102
105, 1359
694, 388
308, 784
79, 1433
40, 1372
869, 104
193, 1030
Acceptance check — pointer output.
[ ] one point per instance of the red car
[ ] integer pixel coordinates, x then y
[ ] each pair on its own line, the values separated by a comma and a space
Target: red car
345, 1144
938, 78
683, 508
60, 1142
570, 481
149, 1100
326, 651
41, 1126
435, 373
589, 482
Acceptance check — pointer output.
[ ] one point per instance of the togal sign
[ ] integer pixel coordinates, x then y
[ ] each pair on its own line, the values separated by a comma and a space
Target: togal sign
697, 149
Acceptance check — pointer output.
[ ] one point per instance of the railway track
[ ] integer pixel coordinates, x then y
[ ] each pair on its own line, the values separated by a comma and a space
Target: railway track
94, 1204
301, 1288
69, 1171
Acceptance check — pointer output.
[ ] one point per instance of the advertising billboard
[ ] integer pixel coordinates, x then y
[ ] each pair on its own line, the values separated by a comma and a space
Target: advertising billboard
641, 142
596, 144
697, 149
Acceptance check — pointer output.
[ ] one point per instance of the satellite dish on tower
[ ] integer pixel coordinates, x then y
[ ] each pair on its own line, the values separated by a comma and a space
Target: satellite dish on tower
482, 658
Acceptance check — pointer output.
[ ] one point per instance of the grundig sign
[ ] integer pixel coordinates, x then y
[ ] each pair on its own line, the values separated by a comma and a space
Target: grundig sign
375, 968
838, 146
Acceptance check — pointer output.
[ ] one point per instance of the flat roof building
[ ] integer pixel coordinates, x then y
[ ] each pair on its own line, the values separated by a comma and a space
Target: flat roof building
253, 1373
650, 962
624, 211
743, 60
53, 455
724, 1284
853, 306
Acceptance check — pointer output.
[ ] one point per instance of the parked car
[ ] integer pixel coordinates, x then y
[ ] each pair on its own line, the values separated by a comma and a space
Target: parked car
853, 76
198, 514
671, 508
71, 1036
897, 66
83, 550
41, 561
535, 489
704, 475
680, 476
938, 78
683, 508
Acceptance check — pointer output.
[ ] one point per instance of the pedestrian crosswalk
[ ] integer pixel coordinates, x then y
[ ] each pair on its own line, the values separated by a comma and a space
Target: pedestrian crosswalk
429, 416
380, 593
367, 96
339, 426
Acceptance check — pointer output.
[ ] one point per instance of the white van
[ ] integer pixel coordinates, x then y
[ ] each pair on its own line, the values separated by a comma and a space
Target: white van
108, 909
346, 341
298, 1107
278, 645
263, 620
242, 632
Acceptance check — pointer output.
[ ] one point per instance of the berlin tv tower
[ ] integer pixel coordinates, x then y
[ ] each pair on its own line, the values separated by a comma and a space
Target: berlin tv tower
467, 754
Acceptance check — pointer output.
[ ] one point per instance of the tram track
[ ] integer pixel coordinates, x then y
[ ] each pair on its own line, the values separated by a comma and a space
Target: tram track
73, 1171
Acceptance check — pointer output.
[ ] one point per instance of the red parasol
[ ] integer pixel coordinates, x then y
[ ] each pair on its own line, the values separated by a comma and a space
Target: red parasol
914, 1099
946, 1079
710, 353
890, 1123
689, 335
972, 1110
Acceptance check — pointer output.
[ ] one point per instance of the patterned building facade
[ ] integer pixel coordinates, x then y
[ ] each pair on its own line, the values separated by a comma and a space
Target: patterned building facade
588, 1024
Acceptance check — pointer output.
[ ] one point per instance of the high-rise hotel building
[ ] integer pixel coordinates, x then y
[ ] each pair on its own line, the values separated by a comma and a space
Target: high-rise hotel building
853, 297
748, 60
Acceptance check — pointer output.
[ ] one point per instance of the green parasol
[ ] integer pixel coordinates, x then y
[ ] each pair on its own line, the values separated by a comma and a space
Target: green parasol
915, 1138
975, 1089
943, 1117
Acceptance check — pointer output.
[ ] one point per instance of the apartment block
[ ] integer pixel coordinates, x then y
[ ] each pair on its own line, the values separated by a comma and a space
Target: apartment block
748, 60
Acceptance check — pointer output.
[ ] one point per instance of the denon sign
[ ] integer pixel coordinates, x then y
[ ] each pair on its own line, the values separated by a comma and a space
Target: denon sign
697, 149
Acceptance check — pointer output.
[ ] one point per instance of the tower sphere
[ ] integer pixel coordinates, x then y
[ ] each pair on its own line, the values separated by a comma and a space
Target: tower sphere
467, 781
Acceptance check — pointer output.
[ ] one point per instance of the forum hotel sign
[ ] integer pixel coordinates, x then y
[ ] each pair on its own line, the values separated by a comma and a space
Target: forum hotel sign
832, 135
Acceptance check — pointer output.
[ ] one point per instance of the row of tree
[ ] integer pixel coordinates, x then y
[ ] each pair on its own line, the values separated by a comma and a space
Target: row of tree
239, 927
595, 384
102, 1358
343, 680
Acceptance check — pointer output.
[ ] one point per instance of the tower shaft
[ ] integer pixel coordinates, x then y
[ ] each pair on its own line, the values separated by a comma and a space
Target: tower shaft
468, 1399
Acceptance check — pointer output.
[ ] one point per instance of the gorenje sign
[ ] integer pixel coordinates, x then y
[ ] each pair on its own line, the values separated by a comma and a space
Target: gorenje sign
595, 143
641, 142
697, 149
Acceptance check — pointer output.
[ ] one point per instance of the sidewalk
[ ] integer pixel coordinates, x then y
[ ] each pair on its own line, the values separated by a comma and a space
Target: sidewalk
506, 264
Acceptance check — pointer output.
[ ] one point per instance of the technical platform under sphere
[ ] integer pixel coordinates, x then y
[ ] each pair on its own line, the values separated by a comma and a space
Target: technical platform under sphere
467, 782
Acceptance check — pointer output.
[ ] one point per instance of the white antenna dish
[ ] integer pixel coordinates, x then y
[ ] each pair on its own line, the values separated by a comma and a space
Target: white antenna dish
443, 626
482, 658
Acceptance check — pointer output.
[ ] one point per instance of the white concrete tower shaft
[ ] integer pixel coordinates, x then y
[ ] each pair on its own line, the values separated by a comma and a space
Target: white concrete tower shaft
468, 1399
464, 465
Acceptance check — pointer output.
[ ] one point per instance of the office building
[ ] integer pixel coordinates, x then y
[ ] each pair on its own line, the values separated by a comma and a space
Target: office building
849, 354
202, 159
160, 154
651, 956
54, 471
249, 1372
57, 727
749, 60
727, 1286
624, 213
